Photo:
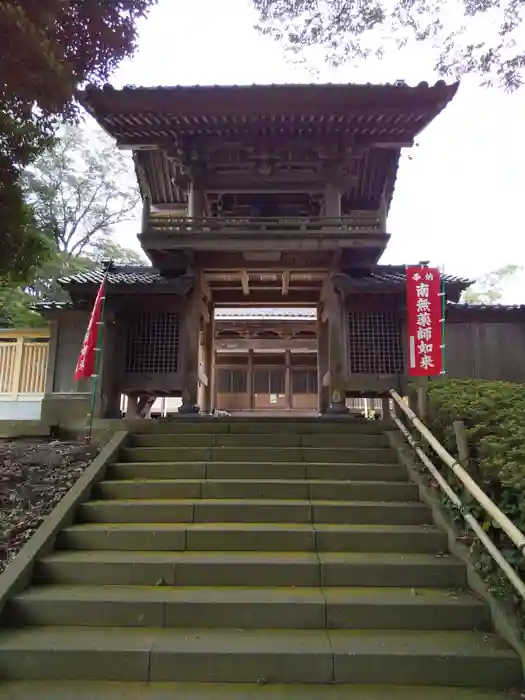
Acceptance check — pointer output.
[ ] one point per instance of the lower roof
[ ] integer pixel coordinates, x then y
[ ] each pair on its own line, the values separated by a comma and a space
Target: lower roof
487, 311
122, 275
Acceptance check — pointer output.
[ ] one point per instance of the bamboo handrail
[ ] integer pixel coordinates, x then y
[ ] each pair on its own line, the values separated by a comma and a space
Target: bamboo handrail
491, 548
508, 527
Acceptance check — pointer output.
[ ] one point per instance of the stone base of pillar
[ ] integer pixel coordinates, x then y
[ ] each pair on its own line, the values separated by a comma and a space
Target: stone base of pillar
338, 408
189, 409
112, 414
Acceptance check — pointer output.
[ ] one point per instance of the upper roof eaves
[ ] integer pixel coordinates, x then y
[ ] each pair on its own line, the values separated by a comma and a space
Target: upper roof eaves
317, 97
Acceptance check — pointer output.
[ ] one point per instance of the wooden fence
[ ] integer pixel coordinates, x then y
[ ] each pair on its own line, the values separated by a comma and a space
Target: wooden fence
23, 362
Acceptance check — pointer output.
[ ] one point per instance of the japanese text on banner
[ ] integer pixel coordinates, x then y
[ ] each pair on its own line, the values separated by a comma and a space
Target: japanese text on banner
424, 311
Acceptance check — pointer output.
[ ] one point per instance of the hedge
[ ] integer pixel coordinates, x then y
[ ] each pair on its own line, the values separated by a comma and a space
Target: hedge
494, 418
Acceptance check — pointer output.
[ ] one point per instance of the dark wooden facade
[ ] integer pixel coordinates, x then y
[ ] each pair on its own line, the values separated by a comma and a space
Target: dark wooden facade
271, 196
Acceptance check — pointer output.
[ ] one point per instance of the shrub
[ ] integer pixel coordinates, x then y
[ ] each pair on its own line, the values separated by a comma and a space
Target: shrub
494, 417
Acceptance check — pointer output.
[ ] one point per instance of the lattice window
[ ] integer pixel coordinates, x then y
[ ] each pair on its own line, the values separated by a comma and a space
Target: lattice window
374, 343
153, 343
269, 381
232, 381
304, 381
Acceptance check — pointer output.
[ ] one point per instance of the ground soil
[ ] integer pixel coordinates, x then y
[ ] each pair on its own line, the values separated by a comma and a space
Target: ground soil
34, 475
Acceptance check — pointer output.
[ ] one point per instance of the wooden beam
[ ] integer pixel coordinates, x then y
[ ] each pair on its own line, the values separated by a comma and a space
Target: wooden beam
265, 297
204, 310
286, 282
205, 287
284, 241
232, 345
245, 282
220, 185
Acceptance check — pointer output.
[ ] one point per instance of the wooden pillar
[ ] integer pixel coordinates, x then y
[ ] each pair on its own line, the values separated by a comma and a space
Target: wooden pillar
109, 366
196, 203
52, 353
16, 375
132, 408
146, 212
209, 360
288, 377
322, 362
336, 349
383, 213
332, 199
190, 335
251, 381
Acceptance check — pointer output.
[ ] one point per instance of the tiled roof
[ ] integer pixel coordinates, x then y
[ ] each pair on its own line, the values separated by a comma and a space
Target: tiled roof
299, 313
486, 308
142, 274
120, 274
147, 117
399, 86
53, 305
392, 274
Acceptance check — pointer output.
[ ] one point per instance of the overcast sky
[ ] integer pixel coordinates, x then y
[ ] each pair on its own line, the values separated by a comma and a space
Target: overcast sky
458, 198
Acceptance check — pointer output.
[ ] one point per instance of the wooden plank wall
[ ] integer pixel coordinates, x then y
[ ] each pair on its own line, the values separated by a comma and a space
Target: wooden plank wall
494, 350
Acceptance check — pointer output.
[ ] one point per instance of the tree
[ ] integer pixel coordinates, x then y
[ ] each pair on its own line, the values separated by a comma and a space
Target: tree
16, 301
79, 189
468, 36
49, 49
489, 288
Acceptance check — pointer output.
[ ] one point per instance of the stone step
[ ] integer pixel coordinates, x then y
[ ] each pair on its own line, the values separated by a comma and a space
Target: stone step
246, 511
200, 568
258, 440
266, 537
257, 470
115, 690
249, 608
285, 656
264, 425
361, 455
257, 488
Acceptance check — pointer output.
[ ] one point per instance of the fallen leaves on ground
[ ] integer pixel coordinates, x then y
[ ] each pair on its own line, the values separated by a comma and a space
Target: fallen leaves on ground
34, 476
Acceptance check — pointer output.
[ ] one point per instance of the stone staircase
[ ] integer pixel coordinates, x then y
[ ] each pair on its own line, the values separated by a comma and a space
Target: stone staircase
254, 552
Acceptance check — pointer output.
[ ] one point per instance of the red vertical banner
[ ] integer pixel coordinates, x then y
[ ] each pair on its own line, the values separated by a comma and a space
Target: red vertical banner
85, 366
424, 311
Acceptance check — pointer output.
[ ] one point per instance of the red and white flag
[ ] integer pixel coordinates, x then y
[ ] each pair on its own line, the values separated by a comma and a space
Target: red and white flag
424, 321
86, 360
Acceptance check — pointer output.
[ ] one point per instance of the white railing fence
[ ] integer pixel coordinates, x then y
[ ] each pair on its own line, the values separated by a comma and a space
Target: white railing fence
497, 516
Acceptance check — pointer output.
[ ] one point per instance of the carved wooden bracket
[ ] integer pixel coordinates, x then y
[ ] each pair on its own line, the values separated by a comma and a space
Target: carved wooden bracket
184, 284
342, 284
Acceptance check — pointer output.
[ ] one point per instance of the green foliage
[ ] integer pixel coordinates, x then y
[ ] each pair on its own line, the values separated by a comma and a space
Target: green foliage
489, 288
76, 192
16, 301
468, 36
15, 309
79, 189
49, 49
494, 417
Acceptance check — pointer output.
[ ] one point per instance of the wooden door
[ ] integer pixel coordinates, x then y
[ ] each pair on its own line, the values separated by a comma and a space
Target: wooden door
269, 385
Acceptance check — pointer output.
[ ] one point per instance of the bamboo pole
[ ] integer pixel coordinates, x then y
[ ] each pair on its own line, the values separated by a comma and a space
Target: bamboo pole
517, 537
491, 548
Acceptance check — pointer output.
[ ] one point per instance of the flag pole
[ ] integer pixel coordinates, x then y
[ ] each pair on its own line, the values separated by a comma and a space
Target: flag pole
443, 321
98, 352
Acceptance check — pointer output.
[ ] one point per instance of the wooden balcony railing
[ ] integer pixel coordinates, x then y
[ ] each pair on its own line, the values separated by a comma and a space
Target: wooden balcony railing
359, 222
